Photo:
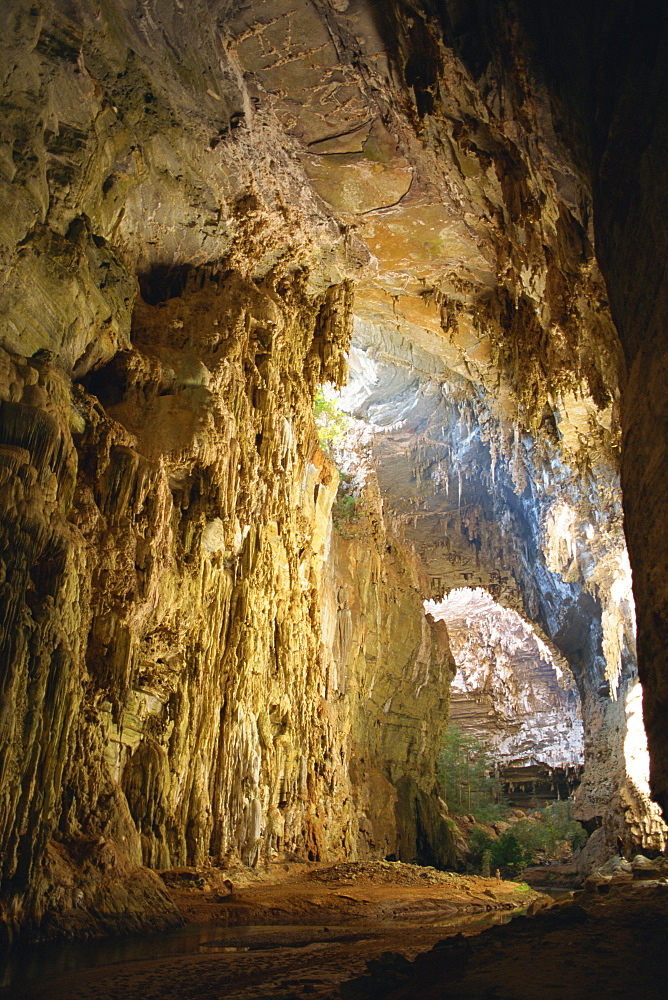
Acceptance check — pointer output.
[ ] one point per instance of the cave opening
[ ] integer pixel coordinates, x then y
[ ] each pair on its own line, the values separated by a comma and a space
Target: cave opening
485, 502
516, 695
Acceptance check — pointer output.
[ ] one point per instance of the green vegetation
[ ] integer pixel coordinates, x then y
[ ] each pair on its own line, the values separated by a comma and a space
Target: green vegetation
466, 773
332, 425
344, 508
347, 509
506, 853
555, 827
539, 838
331, 422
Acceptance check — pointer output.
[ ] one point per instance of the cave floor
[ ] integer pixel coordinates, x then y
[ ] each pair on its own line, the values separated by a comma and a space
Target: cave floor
588, 946
300, 893
291, 931
372, 932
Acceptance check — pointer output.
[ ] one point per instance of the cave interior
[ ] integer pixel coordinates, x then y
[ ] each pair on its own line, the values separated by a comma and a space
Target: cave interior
224, 625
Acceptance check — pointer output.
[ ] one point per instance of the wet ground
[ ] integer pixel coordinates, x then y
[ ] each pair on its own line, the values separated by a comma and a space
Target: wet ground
294, 932
388, 933
252, 963
591, 947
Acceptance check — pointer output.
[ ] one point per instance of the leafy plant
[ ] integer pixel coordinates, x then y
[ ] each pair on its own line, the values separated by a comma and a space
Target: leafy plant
466, 773
479, 844
348, 507
486, 863
344, 507
494, 810
554, 828
331, 422
506, 853
579, 838
509, 855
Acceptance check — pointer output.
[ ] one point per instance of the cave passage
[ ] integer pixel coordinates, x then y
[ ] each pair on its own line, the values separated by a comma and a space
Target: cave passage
311, 312
482, 506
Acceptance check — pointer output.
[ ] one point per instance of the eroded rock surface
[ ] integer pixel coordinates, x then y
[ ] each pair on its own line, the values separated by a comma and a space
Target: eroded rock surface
510, 689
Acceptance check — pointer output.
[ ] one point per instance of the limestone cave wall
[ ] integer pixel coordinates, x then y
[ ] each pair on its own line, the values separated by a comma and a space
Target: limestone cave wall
172, 691
601, 71
511, 689
169, 688
395, 666
488, 503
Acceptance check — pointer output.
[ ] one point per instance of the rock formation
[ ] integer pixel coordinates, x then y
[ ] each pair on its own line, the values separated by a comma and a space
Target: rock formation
201, 205
510, 689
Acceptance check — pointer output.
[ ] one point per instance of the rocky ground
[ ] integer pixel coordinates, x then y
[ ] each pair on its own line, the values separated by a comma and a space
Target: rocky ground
610, 944
344, 892
295, 930
389, 931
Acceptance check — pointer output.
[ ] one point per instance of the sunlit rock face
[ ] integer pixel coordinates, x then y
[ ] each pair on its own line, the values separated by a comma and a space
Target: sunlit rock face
171, 686
194, 203
642, 814
487, 503
510, 689
391, 665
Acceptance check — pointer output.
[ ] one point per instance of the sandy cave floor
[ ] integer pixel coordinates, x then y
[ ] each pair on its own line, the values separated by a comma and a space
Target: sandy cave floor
321, 931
